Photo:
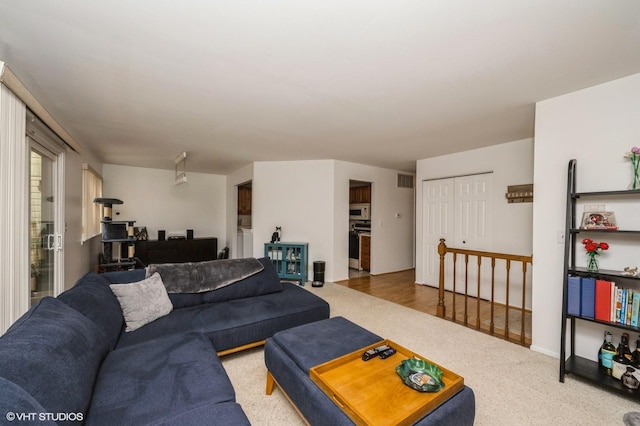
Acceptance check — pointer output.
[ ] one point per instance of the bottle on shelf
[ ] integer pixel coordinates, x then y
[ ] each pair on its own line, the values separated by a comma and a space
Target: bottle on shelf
622, 358
606, 354
635, 357
626, 351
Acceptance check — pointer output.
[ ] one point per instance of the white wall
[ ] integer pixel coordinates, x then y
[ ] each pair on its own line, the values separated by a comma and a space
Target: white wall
511, 164
298, 196
79, 257
596, 126
152, 200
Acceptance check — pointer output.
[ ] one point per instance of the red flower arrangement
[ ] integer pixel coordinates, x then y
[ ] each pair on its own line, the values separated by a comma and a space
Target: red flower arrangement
593, 248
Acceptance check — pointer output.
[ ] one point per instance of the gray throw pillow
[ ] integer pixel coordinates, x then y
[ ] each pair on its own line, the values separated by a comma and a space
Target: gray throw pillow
142, 302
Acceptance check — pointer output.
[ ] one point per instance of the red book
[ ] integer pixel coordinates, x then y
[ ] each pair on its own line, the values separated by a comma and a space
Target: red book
603, 300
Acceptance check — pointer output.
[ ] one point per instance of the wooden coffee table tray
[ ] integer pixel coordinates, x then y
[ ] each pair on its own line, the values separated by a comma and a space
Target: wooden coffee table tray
372, 393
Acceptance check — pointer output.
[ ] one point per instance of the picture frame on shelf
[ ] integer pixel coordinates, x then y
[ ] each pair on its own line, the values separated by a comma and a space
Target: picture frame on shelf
599, 220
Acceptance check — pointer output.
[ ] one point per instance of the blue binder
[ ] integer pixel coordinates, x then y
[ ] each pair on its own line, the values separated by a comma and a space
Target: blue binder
588, 298
573, 296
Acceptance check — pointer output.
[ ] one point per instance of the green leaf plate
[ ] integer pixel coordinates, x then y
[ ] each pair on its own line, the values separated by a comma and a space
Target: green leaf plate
420, 375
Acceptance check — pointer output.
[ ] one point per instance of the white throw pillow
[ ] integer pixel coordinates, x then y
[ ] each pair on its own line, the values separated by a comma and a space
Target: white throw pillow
142, 302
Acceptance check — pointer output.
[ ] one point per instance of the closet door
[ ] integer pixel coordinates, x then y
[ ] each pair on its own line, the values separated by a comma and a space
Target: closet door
459, 210
438, 222
472, 204
472, 230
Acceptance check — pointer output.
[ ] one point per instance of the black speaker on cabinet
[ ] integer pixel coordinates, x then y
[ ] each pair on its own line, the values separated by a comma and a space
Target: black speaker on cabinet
161, 235
189, 234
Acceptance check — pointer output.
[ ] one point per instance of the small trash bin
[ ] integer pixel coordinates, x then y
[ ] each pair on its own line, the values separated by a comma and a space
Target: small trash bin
318, 274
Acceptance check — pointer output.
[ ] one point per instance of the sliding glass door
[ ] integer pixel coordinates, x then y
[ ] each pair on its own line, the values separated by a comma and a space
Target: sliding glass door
46, 223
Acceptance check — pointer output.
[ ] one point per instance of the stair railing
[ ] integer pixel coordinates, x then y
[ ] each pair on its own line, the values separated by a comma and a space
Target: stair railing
480, 255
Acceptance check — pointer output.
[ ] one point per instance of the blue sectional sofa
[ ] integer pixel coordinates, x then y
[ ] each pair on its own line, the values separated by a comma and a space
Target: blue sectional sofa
69, 358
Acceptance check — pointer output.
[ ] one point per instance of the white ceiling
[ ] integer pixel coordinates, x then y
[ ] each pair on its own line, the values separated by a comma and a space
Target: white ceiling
376, 82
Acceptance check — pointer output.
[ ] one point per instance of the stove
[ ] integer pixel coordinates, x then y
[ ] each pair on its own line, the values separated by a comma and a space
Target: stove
357, 229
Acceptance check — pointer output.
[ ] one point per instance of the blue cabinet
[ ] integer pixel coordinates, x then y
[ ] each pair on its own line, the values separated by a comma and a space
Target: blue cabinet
290, 260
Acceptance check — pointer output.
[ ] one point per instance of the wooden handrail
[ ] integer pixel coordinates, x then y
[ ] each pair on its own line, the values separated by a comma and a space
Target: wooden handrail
441, 308
514, 257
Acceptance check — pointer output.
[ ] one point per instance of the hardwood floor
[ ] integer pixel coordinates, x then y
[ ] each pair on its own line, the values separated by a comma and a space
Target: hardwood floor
400, 287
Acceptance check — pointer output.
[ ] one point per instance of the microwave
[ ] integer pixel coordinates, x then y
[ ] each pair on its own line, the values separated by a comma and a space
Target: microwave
360, 211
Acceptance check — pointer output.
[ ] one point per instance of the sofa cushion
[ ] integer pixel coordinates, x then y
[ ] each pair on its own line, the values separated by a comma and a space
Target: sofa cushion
163, 377
59, 351
237, 322
123, 277
14, 399
92, 297
264, 282
142, 302
178, 300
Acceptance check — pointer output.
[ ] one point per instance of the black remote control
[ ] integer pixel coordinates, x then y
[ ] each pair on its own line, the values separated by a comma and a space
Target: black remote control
372, 353
387, 353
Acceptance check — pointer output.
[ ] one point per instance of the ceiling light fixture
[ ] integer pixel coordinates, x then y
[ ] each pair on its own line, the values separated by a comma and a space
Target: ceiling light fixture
181, 175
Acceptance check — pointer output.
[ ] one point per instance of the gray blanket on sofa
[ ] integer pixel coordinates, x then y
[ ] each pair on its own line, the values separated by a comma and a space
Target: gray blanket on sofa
198, 277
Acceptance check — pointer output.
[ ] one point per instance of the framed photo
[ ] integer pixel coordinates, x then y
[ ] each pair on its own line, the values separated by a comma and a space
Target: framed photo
599, 220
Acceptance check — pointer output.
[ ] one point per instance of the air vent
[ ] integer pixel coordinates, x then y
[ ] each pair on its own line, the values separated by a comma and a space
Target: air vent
405, 181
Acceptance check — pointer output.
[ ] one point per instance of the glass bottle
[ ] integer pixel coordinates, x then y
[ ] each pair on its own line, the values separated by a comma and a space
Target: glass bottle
606, 353
635, 357
626, 351
622, 358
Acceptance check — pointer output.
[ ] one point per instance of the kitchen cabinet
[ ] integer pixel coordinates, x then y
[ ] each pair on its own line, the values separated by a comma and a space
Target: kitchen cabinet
244, 200
365, 252
360, 194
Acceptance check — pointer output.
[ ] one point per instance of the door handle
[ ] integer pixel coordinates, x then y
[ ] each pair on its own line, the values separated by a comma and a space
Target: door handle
49, 242
53, 242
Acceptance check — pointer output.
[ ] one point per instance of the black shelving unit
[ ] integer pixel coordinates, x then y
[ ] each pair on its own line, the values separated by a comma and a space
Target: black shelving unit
115, 232
576, 365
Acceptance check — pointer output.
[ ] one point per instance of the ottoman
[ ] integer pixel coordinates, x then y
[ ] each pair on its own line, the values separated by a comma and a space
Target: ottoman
291, 353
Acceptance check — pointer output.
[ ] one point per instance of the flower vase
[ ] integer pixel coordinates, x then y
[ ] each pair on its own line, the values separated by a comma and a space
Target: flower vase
635, 162
592, 263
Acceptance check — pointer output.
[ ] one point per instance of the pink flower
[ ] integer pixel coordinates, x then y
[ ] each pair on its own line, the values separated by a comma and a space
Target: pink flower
635, 150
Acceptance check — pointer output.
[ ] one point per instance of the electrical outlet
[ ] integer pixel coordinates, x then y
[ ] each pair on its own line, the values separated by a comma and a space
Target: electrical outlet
560, 237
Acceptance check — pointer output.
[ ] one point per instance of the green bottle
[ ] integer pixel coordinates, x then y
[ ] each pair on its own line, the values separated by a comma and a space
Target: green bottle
606, 353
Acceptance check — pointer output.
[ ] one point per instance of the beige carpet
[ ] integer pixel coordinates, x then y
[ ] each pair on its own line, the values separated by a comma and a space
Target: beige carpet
514, 323
513, 385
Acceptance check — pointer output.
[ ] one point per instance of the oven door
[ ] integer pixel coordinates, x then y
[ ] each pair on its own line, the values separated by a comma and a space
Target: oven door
354, 250
354, 245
